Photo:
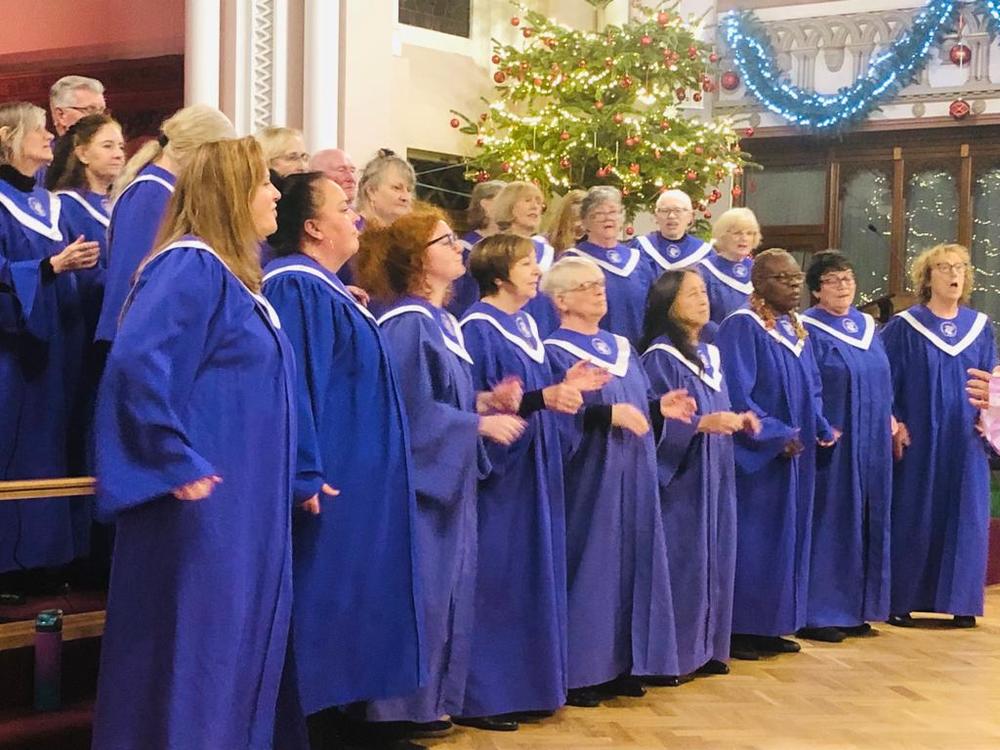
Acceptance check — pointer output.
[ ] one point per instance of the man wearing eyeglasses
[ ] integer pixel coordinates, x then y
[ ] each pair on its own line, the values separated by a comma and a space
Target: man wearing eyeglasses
72, 98
670, 247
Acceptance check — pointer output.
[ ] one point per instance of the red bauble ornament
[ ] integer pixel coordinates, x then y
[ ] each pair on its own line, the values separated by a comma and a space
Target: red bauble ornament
707, 214
630, 230
484, 117
730, 81
618, 118
691, 175
565, 163
495, 59
663, 18
527, 32
537, 81
598, 105
601, 172
454, 122
625, 82
692, 52
699, 150
713, 58
505, 167
737, 191
482, 176
707, 86
646, 40
681, 95
499, 76
564, 136
748, 133
713, 198
479, 142
696, 96
960, 54
633, 168
664, 124
959, 109
515, 21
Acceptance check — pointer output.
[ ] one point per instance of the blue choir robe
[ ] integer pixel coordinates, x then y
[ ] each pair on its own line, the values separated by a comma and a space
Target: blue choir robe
41, 338
728, 285
540, 307
941, 487
199, 381
849, 570
465, 290
426, 342
770, 372
673, 255
135, 221
628, 276
620, 612
519, 636
697, 480
356, 620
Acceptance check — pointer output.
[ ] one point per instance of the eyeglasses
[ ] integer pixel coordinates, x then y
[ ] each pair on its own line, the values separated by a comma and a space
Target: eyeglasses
449, 238
588, 286
787, 278
846, 279
603, 215
946, 267
294, 156
93, 109
673, 211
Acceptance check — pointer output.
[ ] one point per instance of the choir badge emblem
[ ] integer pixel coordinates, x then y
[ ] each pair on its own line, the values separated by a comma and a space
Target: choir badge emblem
448, 325
788, 327
673, 251
850, 326
601, 347
949, 329
35, 205
614, 256
522, 326
704, 359
740, 270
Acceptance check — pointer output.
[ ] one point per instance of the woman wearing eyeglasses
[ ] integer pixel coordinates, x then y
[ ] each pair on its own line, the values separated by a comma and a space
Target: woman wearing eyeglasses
770, 370
849, 568
628, 272
670, 247
941, 491
727, 270
284, 150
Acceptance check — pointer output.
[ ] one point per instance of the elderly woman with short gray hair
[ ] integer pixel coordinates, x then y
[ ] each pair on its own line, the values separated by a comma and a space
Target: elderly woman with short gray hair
629, 274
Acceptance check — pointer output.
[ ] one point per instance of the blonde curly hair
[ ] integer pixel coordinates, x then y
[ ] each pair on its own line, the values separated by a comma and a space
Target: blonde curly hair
923, 264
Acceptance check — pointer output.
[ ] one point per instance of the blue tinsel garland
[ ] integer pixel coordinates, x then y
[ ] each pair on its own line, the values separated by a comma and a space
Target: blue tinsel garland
754, 59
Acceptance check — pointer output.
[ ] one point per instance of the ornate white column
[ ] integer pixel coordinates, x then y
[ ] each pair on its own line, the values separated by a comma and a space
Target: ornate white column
322, 42
202, 35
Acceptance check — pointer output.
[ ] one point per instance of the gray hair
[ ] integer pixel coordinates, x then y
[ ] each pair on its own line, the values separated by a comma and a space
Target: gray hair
60, 93
375, 172
565, 272
598, 195
17, 119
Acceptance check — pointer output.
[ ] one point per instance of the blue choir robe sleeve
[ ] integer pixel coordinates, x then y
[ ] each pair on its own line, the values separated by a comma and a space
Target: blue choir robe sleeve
571, 429
21, 287
678, 438
739, 341
311, 324
823, 429
444, 438
143, 449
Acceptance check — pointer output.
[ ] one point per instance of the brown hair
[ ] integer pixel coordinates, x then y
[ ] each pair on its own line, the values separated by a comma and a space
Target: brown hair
923, 264
493, 257
475, 215
503, 204
391, 260
212, 201
559, 224
66, 170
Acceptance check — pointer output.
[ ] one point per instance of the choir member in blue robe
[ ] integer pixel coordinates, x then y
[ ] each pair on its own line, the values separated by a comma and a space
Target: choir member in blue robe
727, 270
620, 612
696, 470
40, 346
518, 209
670, 247
629, 272
849, 570
770, 370
413, 262
941, 486
196, 456
356, 617
519, 659
140, 198
479, 217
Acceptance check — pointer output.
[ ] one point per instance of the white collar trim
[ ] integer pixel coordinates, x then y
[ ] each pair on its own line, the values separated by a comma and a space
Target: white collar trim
712, 381
33, 223
105, 220
952, 350
863, 343
537, 352
618, 368
548, 253
746, 287
795, 348
667, 265
455, 347
297, 267
633, 261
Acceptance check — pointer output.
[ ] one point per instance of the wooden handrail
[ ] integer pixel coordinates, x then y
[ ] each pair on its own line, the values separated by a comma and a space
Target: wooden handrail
76, 626
38, 489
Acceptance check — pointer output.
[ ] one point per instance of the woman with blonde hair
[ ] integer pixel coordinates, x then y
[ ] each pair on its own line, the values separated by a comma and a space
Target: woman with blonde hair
385, 189
727, 270
140, 196
941, 481
284, 150
562, 225
195, 466
40, 345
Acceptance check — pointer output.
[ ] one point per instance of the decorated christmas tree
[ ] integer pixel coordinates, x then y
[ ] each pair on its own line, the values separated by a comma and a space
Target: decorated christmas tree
577, 108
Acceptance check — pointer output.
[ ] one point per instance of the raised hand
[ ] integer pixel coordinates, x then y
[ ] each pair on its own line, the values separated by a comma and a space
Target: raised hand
751, 423
900, 441
199, 489
978, 387
562, 397
586, 377
359, 294
506, 395
629, 418
677, 404
721, 423
501, 428
77, 255
837, 434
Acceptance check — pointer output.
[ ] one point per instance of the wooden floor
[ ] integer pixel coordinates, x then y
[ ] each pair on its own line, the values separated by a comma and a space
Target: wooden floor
904, 689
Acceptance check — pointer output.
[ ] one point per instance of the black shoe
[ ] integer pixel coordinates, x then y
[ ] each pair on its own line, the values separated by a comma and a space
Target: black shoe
529, 716
713, 666
626, 686
583, 698
486, 723
963, 621
902, 621
864, 630
772, 644
741, 647
826, 635
667, 680
424, 729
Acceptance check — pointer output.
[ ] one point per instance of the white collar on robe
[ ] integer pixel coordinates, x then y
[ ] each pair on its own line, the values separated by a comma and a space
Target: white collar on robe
673, 265
618, 368
744, 287
456, 346
624, 271
535, 349
860, 343
713, 381
50, 231
795, 348
959, 346
299, 268
102, 218
144, 178
548, 253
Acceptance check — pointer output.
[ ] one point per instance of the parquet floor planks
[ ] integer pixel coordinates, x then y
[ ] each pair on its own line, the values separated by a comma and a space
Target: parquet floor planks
902, 690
